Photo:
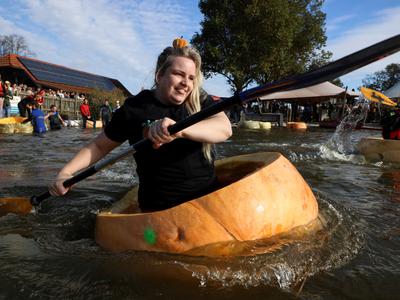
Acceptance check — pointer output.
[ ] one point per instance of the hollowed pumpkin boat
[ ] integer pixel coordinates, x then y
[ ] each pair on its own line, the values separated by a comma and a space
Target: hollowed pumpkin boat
15, 125
379, 149
296, 125
260, 195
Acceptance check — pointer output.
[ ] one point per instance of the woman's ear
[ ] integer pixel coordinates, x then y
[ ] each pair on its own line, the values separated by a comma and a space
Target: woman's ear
158, 76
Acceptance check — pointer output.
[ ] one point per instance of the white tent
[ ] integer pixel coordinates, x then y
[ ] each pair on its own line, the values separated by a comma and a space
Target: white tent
319, 92
394, 91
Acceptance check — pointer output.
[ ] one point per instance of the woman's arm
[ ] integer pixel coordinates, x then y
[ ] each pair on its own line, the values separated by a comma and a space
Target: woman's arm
87, 156
214, 129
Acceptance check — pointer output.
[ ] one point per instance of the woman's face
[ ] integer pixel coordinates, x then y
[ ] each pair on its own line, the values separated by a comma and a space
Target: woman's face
176, 84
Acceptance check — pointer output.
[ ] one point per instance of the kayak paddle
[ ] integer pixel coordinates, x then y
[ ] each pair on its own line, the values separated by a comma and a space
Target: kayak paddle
328, 72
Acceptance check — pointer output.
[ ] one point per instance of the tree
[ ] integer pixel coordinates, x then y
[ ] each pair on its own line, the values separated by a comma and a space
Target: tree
97, 97
383, 80
14, 44
252, 41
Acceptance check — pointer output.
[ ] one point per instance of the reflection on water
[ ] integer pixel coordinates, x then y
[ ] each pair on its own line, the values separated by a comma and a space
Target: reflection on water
353, 253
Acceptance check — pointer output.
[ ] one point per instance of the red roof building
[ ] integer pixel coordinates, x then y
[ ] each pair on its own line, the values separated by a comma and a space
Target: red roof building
32, 72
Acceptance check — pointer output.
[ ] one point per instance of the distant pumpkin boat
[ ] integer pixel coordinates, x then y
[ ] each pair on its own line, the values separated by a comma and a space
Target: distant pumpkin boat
261, 195
296, 125
15, 125
379, 149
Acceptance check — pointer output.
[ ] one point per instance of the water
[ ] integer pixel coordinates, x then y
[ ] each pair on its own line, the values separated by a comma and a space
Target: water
52, 254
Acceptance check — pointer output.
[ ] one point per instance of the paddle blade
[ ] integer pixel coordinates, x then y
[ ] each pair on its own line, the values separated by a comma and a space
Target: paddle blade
17, 205
376, 96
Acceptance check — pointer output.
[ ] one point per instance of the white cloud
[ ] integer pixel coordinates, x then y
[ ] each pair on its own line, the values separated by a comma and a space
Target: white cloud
119, 39
338, 22
381, 25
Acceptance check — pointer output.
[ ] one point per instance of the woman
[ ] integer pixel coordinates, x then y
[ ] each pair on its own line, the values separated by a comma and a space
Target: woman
85, 113
180, 166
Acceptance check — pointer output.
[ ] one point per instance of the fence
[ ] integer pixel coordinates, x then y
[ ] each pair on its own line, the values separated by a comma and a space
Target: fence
66, 106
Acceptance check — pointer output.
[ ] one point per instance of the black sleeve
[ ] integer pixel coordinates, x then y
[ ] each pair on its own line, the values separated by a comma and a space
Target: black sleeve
208, 100
118, 129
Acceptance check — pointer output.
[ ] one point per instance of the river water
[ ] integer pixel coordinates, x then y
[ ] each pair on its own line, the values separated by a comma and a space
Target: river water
51, 253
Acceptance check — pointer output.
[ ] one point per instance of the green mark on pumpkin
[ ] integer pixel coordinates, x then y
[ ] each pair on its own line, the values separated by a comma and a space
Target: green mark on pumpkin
150, 236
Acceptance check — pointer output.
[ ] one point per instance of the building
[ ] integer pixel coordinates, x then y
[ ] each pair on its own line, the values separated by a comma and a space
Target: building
35, 73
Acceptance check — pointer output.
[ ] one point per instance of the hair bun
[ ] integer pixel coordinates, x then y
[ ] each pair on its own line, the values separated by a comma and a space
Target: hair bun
180, 42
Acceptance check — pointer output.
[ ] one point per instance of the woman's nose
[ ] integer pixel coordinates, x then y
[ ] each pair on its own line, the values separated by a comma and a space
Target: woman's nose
184, 81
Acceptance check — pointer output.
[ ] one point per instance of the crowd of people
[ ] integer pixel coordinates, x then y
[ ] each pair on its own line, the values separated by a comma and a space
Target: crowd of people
31, 107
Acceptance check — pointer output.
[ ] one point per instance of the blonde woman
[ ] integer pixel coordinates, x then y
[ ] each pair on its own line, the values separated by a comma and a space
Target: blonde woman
179, 167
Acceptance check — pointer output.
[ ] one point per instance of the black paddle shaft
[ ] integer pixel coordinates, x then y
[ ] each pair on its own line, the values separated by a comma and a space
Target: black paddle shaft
328, 72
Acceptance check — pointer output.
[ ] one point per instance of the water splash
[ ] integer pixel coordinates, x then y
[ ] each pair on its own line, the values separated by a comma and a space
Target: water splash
341, 146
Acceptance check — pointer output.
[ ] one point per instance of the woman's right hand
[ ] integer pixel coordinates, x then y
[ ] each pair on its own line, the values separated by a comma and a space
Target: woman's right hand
158, 132
56, 188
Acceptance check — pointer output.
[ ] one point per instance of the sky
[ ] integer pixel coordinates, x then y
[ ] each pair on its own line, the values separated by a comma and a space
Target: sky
121, 39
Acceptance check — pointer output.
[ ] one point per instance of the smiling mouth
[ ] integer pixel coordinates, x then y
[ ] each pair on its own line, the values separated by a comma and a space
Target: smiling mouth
181, 92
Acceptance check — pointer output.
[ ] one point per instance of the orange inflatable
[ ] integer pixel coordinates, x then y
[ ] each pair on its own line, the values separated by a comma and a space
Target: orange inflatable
261, 195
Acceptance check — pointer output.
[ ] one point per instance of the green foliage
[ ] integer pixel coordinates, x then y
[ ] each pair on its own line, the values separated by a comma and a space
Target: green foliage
383, 80
338, 82
97, 98
254, 41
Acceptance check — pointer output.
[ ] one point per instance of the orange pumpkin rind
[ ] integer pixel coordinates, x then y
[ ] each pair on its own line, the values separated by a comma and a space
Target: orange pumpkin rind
180, 42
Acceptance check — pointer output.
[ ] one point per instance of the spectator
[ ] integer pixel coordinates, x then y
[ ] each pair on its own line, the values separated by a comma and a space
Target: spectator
85, 113
105, 113
8, 96
39, 97
117, 105
1, 97
23, 108
60, 94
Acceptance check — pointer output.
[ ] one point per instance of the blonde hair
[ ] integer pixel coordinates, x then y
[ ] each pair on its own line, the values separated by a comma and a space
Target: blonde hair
192, 103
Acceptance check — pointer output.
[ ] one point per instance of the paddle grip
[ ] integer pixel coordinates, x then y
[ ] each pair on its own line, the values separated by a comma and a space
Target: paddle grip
80, 176
219, 106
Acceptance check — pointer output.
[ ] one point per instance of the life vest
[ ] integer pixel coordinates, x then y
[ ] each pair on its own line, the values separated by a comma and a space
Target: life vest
55, 122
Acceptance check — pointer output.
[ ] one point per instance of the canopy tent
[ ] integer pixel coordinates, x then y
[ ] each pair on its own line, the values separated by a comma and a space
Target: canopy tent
393, 92
312, 94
